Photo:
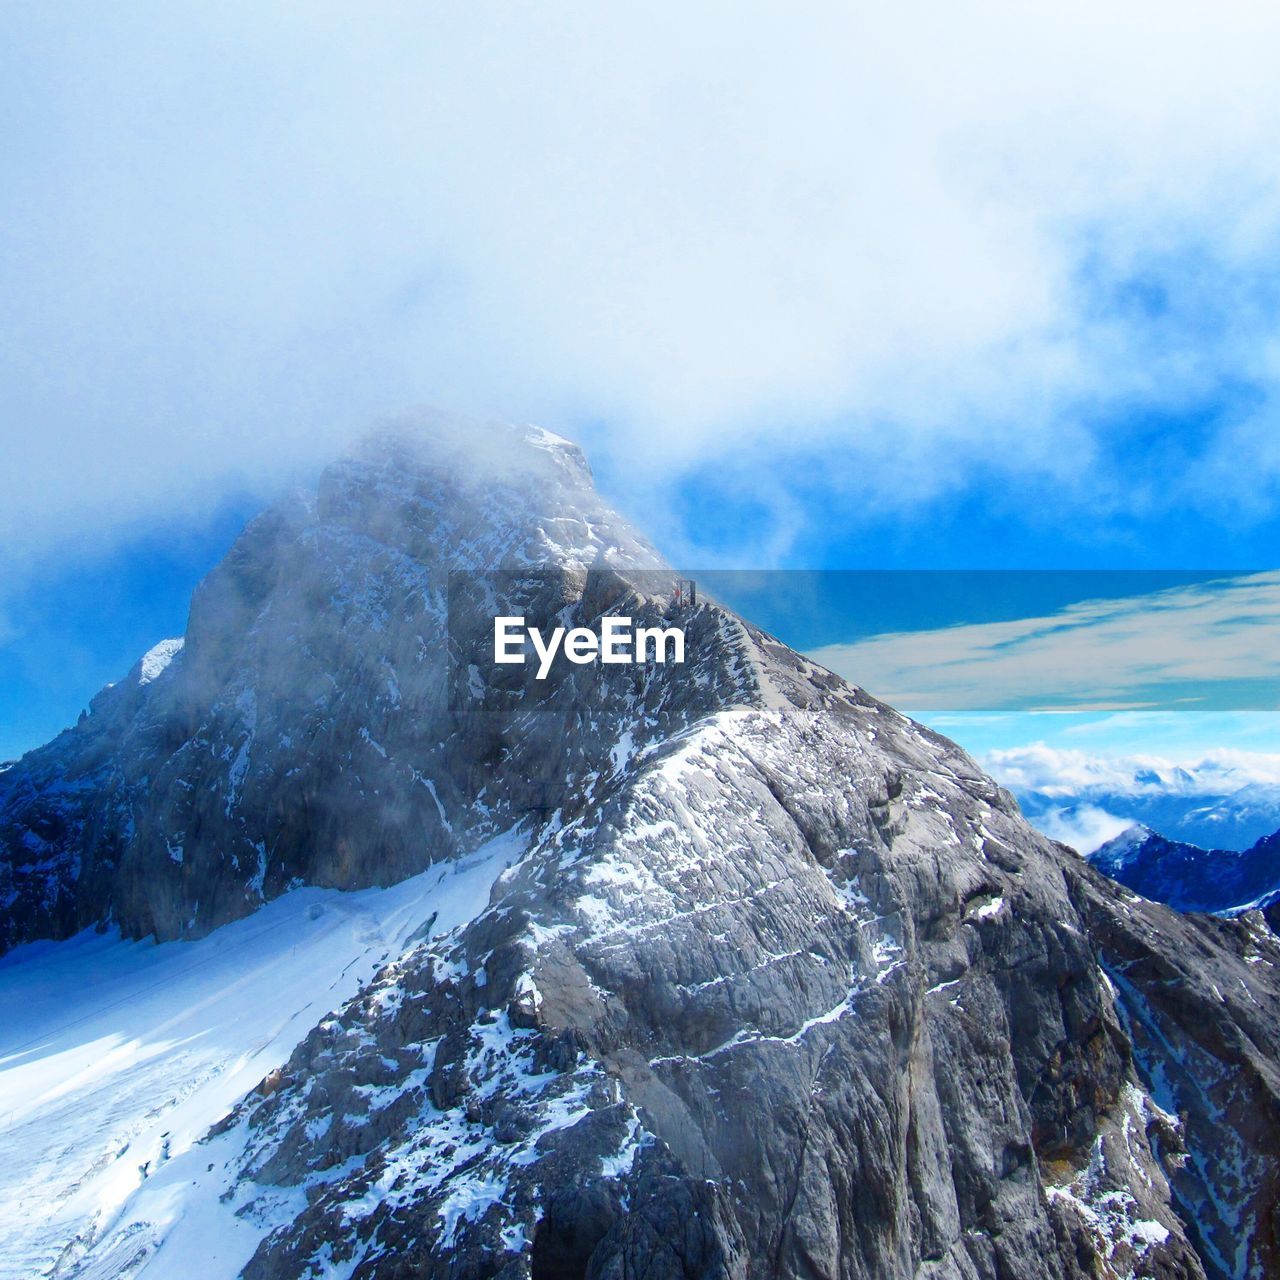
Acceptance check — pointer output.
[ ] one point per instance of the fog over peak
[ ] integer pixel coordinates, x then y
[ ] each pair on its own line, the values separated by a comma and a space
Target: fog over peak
936, 247
472, 449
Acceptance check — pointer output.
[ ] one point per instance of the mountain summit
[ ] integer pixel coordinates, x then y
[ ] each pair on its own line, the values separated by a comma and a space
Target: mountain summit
301, 732
1192, 878
776, 983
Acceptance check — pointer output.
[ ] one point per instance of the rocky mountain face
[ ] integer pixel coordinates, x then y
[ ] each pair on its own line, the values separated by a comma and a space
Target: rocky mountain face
1189, 877
781, 986
302, 733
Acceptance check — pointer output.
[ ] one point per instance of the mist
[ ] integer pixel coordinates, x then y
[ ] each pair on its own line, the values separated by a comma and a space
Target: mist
933, 247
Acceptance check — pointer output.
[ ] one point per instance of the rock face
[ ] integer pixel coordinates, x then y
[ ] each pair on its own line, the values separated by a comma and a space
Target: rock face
783, 987
1189, 877
303, 733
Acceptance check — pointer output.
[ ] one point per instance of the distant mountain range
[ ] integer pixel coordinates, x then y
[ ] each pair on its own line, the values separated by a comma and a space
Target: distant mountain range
1192, 878
1175, 807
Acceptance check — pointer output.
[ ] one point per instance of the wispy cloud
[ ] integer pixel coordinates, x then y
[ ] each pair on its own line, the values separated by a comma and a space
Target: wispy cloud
1206, 646
1083, 827
1057, 772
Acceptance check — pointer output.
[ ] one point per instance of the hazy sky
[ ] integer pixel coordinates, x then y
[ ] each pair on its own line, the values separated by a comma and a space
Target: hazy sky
815, 283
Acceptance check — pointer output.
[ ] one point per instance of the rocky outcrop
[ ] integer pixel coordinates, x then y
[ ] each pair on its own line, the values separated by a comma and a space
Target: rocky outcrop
303, 732
1197, 997
783, 986
863, 1029
1191, 878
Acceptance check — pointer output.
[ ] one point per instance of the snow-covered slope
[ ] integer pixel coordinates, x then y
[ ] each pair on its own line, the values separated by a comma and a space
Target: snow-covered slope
117, 1056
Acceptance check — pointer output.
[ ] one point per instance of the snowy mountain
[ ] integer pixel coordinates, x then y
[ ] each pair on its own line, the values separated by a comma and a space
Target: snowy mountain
721, 970
1189, 877
1085, 801
303, 732
1233, 821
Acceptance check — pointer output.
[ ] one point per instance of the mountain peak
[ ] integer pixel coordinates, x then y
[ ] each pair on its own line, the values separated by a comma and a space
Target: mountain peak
721, 968
473, 450
459, 493
1188, 876
313, 729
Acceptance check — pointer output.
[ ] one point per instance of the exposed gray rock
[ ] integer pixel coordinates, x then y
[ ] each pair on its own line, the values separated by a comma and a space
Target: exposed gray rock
865, 1020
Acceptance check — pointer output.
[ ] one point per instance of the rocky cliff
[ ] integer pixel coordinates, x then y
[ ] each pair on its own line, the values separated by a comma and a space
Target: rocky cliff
1189, 877
782, 986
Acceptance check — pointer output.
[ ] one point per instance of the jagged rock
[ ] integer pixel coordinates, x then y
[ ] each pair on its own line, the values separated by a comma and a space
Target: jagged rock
1190, 878
303, 732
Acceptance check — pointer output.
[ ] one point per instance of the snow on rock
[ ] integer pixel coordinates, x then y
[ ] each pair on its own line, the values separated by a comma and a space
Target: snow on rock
1189, 877
1119, 1197
157, 658
117, 1057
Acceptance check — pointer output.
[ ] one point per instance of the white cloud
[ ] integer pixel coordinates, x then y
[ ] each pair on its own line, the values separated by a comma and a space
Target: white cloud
1061, 772
936, 241
1176, 645
1084, 827
1223, 797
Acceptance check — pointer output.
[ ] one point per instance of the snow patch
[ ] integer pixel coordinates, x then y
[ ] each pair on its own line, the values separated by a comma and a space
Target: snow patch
157, 658
117, 1057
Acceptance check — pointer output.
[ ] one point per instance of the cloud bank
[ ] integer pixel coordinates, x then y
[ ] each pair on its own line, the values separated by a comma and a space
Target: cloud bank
1056, 772
1207, 647
936, 246
1223, 798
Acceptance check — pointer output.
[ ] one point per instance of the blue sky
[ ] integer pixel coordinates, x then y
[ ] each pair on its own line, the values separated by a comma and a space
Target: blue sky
90, 616
1183, 663
889, 287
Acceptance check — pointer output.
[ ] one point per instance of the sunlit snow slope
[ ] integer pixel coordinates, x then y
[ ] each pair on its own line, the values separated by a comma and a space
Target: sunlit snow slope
116, 1057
